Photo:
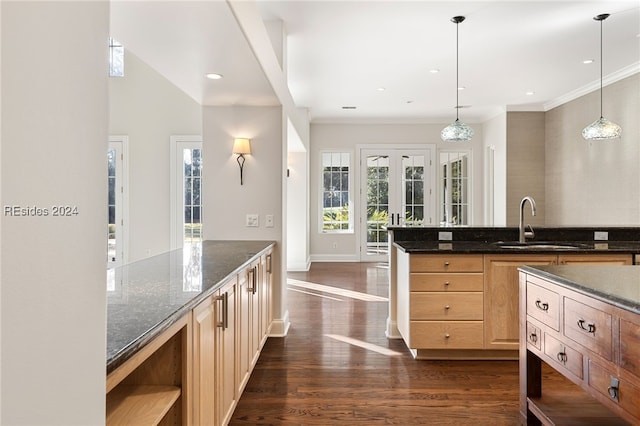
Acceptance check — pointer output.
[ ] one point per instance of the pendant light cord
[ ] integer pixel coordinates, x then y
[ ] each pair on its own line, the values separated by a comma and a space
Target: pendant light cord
457, 66
601, 67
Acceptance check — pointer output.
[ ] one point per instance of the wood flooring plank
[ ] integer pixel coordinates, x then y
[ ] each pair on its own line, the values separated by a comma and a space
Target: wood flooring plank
307, 378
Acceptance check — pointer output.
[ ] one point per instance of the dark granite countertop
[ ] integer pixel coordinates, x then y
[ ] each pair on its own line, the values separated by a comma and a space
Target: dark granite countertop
469, 247
492, 240
617, 285
146, 297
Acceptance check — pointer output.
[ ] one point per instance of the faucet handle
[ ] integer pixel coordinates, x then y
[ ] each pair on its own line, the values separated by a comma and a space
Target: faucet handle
530, 233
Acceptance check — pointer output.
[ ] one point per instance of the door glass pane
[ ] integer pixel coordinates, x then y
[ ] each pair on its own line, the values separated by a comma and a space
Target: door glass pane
413, 194
377, 203
454, 184
111, 226
192, 166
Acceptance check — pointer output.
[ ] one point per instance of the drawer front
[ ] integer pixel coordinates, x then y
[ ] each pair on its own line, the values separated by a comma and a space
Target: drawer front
534, 338
624, 394
446, 335
543, 305
630, 346
588, 326
446, 263
562, 355
446, 282
446, 306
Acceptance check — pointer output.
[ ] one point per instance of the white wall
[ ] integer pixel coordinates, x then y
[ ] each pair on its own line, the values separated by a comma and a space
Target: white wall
54, 141
346, 137
495, 136
225, 202
149, 109
298, 212
594, 183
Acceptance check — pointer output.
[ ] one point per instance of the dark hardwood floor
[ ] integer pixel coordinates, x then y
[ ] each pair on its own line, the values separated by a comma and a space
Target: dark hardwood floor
336, 366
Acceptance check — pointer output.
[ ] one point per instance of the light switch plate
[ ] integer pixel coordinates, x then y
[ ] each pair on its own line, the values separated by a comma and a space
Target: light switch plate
600, 236
252, 220
268, 221
445, 235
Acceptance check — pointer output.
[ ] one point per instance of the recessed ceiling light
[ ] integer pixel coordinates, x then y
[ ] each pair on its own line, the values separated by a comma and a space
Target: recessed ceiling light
348, 107
588, 61
530, 93
214, 76
381, 89
461, 88
409, 102
434, 71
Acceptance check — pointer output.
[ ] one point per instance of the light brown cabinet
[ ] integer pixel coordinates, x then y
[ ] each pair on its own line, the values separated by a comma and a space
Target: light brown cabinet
194, 372
214, 366
591, 342
466, 305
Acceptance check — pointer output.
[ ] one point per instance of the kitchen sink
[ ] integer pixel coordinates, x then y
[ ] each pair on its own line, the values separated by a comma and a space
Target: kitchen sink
539, 245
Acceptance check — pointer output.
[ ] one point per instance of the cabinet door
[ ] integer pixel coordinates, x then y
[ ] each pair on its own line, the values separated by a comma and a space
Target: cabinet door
204, 365
595, 259
501, 316
244, 304
226, 353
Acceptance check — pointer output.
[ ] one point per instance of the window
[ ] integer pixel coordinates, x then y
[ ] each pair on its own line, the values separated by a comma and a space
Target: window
336, 207
116, 58
454, 181
186, 191
116, 202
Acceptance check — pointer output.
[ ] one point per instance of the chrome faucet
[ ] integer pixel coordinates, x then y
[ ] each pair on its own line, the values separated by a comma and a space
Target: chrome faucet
526, 234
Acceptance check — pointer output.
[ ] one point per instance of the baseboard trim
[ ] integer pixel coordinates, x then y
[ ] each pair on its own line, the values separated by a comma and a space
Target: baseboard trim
280, 327
334, 258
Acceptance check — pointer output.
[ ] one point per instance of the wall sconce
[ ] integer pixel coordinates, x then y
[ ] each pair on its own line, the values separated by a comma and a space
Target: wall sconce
241, 146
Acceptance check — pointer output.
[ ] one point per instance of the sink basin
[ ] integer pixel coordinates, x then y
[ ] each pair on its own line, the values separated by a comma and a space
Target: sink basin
539, 245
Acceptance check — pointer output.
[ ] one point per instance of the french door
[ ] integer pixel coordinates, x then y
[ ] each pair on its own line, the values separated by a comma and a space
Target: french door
395, 190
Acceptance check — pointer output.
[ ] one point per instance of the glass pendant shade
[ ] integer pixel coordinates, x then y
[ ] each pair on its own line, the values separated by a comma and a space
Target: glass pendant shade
601, 129
457, 132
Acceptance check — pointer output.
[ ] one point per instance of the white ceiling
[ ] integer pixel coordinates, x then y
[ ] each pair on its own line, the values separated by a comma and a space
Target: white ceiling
341, 52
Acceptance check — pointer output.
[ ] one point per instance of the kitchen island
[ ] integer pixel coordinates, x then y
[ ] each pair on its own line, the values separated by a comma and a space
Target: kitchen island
172, 315
584, 322
454, 291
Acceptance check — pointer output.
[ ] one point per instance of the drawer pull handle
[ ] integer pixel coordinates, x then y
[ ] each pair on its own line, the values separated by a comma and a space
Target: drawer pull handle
543, 306
533, 337
614, 389
562, 357
590, 328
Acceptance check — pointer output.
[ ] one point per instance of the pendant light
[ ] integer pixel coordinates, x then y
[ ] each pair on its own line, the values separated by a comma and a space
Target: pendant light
457, 131
602, 128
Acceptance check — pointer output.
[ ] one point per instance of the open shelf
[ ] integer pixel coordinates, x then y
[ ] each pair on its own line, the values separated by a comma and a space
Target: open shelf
565, 404
140, 404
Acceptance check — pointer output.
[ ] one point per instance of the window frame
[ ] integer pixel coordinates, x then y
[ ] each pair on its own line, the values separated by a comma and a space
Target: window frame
120, 143
176, 191
350, 203
444, 201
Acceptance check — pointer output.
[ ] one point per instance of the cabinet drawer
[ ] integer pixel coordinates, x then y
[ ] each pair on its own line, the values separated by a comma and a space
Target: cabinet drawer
446, 306
543, 305
626, 395
630, 346
446, 282
588, 326
533, 336
563, 356
446, 263
446, 335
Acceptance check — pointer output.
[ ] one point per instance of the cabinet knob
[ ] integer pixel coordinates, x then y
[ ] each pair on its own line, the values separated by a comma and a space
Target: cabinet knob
562, 357
446, 306
446, 283
446, 263
446, 335
533, 337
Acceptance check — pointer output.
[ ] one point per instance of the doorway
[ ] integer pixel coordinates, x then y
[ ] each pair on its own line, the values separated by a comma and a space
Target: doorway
396, 189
